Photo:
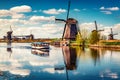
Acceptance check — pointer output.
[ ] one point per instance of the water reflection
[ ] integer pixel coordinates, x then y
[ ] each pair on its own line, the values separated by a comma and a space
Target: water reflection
71, 55
9, 47
43, 52
66, 63
98, 53
95, 55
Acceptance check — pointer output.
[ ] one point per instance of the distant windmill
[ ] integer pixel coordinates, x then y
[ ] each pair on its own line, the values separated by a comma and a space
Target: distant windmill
9, 35
111, 35
71, 27
96, 27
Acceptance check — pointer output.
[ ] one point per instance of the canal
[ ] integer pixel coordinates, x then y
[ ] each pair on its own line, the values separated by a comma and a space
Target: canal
19, 62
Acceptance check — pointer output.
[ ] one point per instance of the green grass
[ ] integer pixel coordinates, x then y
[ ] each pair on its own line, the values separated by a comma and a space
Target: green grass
111, 43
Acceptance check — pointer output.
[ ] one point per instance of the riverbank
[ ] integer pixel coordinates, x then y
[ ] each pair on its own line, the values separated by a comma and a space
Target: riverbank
107, 44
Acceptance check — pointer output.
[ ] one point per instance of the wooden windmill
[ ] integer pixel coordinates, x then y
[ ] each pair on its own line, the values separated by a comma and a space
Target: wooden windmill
111, 35
96, 27
9, 35
70, 29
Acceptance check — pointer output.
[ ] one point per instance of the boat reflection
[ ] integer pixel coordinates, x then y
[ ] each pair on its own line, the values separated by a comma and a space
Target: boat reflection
40, 52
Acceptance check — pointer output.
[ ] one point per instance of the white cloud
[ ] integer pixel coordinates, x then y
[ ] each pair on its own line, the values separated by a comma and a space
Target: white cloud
42, 18
54, 11
107, 12
5, 13
14, 12
90, 26
23, 8
17, 16
77, 10
37, 11
110, 8
113, 8
102, 8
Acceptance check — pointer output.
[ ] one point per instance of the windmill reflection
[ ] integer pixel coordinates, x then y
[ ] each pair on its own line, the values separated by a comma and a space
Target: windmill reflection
71, 55
9, 48
40, 52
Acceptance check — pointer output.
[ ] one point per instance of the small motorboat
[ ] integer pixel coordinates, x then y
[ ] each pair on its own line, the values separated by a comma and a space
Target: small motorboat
40, 45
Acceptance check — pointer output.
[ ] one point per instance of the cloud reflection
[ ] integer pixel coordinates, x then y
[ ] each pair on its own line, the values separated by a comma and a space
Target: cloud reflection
108, 73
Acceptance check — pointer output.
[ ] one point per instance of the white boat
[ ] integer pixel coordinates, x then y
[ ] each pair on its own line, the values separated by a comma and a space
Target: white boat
40, 45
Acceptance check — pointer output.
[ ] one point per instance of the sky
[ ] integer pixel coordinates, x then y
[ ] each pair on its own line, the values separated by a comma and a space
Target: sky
37, 17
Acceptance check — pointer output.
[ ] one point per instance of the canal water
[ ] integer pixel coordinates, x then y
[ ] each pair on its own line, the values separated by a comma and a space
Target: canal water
19, 62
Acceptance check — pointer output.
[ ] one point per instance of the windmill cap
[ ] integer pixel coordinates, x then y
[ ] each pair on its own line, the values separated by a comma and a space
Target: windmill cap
72, 21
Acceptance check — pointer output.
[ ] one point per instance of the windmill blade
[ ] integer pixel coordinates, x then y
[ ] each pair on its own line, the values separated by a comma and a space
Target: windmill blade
60, 20
68, 10
64, 31
96, 26
11, 28
111, 30
66, 18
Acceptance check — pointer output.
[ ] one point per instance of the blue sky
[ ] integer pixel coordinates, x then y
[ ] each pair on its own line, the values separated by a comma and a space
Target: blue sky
37, 16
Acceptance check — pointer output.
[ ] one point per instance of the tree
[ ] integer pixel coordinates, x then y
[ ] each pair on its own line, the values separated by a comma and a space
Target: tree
94, 37
82, 37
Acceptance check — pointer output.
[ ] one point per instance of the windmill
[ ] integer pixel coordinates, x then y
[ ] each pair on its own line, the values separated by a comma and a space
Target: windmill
70, 29
9, 35
111, 35
96, 27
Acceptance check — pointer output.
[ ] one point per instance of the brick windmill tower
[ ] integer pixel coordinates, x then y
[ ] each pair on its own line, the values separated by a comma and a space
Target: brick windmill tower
71, 28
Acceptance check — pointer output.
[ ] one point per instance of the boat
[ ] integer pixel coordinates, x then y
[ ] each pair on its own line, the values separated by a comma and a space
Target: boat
40, 45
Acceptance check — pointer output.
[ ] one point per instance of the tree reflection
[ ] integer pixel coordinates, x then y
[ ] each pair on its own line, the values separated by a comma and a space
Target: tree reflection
95, 55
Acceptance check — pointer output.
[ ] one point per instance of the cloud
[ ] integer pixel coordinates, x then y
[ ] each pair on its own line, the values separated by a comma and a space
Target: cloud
17, 16
107, 12
90, 26
54, 11
110, 8
42, 18
102, 8
109, 74
23, 8
5, 13
35, 11
52, 71
15, 12
22, 72
77, 10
